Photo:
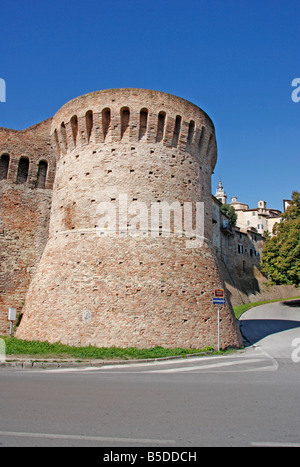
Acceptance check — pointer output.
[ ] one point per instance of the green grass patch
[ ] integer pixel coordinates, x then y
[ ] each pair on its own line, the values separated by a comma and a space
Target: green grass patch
240, 309
36, 349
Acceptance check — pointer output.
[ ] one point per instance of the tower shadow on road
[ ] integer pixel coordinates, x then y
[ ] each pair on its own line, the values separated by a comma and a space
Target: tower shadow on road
253, 330
293, 303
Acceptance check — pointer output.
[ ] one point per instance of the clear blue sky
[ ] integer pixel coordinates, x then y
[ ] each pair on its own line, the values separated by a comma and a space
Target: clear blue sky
235, 59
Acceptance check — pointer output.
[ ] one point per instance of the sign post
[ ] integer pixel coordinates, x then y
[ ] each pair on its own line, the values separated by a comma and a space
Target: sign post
219, 299
12, 316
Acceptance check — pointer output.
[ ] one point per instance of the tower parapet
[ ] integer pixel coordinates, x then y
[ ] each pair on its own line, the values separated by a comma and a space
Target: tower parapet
133, 116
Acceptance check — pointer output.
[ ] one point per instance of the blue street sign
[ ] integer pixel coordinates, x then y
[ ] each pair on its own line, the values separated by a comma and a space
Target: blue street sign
218, 301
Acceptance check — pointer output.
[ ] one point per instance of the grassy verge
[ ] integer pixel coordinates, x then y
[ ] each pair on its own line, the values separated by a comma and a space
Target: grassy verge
39, 350
240, 309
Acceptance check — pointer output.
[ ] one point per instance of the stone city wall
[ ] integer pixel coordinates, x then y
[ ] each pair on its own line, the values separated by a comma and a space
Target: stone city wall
27, 171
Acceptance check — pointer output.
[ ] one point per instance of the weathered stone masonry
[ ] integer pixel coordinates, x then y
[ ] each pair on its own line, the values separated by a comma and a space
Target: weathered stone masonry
140, 291
25, 202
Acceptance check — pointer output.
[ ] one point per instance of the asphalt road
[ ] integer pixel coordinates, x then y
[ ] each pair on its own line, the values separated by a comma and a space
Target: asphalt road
247, 398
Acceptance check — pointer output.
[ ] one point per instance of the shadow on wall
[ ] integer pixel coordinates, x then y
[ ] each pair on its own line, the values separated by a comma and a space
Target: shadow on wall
252, 286
240, 283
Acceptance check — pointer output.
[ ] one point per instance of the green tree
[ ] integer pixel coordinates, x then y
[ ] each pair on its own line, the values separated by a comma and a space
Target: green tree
229, 211
281, 255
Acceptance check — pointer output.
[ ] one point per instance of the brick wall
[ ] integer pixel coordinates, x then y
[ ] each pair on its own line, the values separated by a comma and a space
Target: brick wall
25, 201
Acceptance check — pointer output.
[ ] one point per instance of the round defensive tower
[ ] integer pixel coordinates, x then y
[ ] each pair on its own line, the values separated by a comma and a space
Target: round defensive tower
130, 149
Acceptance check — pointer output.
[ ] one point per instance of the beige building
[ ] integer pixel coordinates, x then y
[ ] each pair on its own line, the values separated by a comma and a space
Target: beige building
261, 218
238, 249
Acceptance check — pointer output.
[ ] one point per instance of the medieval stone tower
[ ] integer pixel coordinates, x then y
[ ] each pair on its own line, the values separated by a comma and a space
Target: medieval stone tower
120, 289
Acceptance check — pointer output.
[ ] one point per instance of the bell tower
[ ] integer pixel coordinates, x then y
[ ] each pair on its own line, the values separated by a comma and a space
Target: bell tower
220, 193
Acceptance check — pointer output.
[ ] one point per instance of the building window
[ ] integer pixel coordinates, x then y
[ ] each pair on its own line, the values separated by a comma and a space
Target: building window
63, 133
89, 124
74, 126
191, 132
23, 170
143, 123
202, 138
176, 131
160, 126
125, 119
4, 164
56, 140
42, 174
106, 118
240, 249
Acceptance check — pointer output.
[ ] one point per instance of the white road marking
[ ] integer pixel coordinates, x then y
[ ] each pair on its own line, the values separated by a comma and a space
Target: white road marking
267, 444
205, 367
183, 365
136, 365
86, 438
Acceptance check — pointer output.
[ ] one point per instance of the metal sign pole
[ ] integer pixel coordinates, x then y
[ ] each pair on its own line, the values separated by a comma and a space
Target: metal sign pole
218, 328
219, 299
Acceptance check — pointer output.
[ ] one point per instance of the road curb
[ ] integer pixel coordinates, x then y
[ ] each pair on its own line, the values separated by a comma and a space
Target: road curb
55, 363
